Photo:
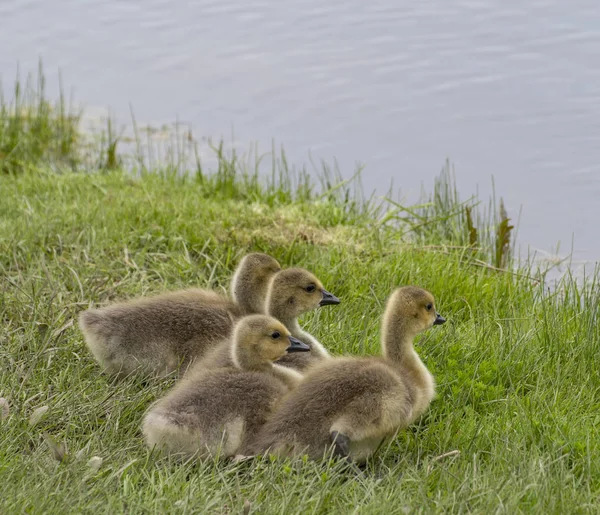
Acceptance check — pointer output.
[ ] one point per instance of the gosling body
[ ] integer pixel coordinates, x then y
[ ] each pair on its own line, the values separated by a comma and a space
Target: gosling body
348, 406
156, 335
210, 413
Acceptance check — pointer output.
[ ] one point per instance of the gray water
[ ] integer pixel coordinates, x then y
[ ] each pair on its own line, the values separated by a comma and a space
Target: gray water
504, 88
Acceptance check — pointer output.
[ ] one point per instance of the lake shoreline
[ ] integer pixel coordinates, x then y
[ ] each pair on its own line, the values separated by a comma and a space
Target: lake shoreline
512, 427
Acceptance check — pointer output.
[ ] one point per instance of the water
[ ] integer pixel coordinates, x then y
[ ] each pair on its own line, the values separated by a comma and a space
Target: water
502, 87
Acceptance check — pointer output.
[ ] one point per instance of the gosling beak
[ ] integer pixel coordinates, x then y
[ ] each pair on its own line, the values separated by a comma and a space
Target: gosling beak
328, 298
439, 319
297, 346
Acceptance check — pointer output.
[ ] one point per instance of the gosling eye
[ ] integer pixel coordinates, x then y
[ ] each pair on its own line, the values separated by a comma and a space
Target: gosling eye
429, 306
276, 335
310, 288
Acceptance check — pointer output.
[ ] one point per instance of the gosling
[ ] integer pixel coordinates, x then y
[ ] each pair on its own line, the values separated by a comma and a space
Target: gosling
291, 293
348, 406
213, 412
158, 334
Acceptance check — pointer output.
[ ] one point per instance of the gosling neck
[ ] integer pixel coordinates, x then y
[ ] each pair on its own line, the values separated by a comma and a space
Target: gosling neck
249, 303
248, 296
279, 312
397, 341
245, 359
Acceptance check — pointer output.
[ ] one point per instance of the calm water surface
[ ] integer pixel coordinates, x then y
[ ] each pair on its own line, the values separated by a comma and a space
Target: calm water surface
502, 87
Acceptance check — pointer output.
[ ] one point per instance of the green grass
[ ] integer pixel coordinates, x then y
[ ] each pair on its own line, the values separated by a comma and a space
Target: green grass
514, 428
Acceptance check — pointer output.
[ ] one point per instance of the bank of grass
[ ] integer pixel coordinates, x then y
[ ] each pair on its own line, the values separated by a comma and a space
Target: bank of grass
514, 428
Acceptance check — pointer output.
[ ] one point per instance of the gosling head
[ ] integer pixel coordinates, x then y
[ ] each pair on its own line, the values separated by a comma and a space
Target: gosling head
295, 291
251, 281
259, 340
415, 308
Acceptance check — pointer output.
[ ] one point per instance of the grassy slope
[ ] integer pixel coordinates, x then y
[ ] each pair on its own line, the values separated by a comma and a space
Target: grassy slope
518, 389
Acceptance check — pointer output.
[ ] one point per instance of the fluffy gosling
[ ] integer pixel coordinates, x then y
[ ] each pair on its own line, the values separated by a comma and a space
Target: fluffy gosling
211, 413
353, 404
156, 335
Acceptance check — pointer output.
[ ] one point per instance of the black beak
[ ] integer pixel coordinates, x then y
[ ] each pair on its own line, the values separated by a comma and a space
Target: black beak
328, 298
439, 319
297, 346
